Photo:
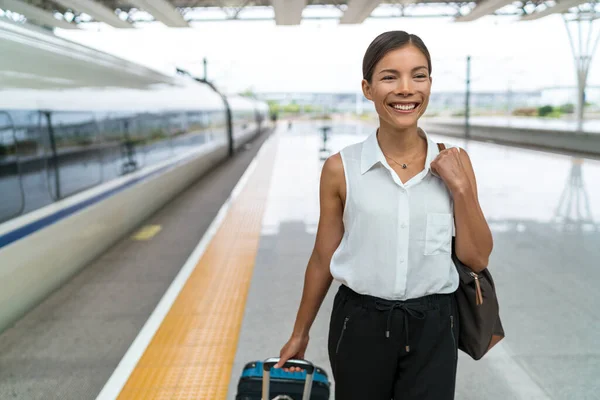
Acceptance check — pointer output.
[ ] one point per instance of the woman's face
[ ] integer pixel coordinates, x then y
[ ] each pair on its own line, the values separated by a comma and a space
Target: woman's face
400, 87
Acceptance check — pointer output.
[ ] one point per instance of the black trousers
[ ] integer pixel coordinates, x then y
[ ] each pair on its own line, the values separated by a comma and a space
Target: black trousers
401, 350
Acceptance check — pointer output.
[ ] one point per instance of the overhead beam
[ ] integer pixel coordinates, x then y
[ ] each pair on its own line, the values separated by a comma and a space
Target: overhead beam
482, 9
288, 12
561, 7
35, 14
99, 11
358, 11
162, 11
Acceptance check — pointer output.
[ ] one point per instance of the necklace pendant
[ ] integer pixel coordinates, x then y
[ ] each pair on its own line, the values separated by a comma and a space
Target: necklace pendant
404, 166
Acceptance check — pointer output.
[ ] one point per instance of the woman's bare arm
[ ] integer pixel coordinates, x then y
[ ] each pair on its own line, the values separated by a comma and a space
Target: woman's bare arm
317, 278
330, 230
474, 241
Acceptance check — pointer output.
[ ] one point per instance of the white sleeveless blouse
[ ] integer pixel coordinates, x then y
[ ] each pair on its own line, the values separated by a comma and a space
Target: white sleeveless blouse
397, 237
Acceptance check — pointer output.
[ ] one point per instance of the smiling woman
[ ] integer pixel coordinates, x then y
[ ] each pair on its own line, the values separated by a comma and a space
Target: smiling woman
397, 77
390, 206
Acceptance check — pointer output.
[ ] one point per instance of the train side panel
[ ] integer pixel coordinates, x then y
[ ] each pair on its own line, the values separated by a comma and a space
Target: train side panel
34, 266
89, 148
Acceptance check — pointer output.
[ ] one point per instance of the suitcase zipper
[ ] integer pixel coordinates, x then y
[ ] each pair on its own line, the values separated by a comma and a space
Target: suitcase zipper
337, 349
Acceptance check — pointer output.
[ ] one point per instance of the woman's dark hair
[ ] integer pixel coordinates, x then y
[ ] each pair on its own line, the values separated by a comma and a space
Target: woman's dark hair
387, 42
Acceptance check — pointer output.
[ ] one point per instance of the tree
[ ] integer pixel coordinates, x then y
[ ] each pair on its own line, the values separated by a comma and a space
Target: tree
248, 93
545, 110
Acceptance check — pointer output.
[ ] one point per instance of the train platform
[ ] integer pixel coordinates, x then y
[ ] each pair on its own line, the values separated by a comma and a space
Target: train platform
214, 280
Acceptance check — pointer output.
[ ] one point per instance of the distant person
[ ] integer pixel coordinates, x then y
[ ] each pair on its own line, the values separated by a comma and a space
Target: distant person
289, 125
390, 206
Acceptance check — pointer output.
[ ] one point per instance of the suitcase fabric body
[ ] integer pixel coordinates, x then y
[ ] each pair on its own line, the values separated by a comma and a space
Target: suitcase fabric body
290, 384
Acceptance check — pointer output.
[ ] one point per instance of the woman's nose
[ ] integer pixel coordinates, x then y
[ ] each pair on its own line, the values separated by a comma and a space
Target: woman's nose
404, 87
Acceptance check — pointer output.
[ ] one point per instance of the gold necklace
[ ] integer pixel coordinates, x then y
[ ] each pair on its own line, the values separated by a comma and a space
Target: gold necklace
403, 165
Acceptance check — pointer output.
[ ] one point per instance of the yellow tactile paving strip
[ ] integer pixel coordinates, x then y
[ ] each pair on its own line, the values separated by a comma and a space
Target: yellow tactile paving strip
192, 353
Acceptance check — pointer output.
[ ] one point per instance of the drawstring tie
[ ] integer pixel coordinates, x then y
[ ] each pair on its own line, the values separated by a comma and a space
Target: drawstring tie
408, 310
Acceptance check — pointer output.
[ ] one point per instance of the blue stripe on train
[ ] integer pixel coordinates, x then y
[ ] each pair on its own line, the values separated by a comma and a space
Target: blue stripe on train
35, 226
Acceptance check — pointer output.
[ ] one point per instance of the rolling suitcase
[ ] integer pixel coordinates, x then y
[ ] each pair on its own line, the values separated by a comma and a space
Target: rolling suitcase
259, 382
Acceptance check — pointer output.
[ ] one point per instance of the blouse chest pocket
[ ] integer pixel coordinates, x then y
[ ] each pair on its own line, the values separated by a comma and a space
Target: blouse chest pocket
438, 234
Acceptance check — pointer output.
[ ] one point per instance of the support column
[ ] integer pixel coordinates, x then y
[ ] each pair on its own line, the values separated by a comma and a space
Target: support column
573, 210
584, 41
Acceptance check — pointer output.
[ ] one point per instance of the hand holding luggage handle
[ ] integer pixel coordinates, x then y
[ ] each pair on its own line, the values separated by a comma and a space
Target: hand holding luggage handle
271, 362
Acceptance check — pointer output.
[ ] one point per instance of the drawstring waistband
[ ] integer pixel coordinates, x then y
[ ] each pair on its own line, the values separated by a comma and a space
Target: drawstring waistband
409, 309
414, 308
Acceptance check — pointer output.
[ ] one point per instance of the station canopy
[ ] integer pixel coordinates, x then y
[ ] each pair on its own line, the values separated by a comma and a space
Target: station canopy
71, 14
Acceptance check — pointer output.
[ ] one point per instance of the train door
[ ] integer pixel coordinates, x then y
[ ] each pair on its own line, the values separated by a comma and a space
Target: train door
11, 185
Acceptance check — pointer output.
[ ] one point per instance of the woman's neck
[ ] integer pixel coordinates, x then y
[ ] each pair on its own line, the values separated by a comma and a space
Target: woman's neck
399, 143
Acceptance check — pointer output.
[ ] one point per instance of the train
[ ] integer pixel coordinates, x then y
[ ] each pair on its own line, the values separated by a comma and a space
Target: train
90, 146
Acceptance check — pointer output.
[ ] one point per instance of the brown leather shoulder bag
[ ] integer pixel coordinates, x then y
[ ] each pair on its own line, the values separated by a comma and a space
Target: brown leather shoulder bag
479, 314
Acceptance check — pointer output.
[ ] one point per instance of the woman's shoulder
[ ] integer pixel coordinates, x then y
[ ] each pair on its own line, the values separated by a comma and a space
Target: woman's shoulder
333, 173
345, 158
352, 151
334, 165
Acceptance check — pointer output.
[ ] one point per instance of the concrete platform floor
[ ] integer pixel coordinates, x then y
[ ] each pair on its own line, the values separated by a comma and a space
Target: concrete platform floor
543, 209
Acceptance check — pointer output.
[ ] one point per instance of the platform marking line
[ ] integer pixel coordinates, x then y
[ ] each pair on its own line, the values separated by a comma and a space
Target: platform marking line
147, 232
188, 344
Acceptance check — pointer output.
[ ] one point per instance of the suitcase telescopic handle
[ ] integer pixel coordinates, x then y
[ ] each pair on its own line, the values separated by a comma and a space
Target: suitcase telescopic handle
306, 365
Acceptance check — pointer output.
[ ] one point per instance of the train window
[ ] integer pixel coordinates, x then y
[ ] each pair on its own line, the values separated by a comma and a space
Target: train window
120, 155
31, 158
150, 133
194, 120
194, 133
176, 124
75, 162
218, 126
245, 122
13, 198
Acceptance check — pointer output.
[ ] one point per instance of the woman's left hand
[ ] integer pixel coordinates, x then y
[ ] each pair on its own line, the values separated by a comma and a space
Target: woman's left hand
449, 166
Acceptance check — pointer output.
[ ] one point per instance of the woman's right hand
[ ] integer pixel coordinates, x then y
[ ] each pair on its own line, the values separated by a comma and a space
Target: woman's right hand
293, 349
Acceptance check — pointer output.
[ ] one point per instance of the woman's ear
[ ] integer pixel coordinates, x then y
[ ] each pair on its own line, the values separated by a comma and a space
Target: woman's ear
366, 88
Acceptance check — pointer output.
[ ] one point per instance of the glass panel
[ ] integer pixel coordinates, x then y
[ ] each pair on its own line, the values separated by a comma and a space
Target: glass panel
120, 155
194, 134
244, 122
76, 152
32, 149
217, 121
150, 133
12, 201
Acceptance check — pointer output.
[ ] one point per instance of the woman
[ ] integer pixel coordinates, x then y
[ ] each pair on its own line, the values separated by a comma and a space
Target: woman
389, 208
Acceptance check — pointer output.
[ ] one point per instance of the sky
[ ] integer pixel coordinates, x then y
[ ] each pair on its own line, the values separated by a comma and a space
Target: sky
323, 56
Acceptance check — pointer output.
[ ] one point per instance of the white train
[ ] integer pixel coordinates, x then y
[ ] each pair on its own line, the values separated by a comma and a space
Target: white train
90, 146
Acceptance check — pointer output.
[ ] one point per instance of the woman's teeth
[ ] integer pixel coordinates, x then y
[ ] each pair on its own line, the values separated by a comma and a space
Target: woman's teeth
404, 107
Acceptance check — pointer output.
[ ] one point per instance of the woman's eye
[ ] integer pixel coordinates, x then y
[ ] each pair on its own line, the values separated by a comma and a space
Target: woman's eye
421, 76
388, 77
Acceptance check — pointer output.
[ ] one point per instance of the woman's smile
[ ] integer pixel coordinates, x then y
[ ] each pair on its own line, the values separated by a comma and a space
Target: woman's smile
404, 107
